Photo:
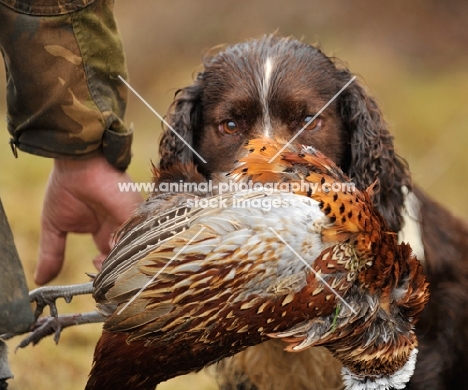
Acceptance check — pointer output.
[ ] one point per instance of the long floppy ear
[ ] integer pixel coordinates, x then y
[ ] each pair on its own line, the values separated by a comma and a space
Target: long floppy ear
185, 118
372, 157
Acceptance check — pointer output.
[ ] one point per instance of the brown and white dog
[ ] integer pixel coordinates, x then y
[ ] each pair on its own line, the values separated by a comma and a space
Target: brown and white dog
274, 86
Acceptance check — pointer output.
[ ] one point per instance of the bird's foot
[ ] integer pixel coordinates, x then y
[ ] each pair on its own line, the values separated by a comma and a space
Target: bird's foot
48, 295
46, 326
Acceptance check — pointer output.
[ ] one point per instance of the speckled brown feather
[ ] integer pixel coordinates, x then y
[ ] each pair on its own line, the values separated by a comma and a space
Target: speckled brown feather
217, 281
350, 210
388, 266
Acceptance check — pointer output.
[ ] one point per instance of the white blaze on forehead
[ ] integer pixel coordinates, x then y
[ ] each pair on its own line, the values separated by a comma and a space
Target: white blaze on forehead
268, 67
266, 80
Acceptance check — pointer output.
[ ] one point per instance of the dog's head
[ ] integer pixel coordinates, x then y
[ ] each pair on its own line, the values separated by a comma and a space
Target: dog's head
274, 86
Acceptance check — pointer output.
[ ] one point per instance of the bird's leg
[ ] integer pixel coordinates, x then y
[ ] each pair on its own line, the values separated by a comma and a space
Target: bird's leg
46, 296
46, 326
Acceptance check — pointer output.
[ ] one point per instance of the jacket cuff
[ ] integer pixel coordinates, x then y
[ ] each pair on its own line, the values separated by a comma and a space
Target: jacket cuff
64, 95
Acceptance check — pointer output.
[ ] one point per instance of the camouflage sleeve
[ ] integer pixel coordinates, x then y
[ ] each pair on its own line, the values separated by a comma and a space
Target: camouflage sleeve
64, 97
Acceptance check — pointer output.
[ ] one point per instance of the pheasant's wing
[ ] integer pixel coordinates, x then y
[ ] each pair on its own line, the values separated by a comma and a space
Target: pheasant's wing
156, 220
349, 319
227, 271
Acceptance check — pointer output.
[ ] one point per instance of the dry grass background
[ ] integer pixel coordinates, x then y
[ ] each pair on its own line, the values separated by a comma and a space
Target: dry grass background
412, 55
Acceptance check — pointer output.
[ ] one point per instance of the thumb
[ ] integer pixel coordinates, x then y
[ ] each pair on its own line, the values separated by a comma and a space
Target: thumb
51, 254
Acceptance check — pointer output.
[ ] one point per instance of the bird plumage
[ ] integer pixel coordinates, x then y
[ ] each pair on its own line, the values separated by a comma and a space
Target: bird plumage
187, 285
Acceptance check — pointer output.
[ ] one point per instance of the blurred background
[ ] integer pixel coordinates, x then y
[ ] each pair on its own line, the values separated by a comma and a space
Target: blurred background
413, 56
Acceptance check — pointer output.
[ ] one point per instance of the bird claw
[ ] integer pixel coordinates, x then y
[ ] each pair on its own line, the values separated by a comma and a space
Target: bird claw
46, 326
53, 324
47, 296
43, 327
41, 302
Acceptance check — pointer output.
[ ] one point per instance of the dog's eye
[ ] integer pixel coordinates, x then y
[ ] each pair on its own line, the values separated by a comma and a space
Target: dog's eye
310, 124
228, 127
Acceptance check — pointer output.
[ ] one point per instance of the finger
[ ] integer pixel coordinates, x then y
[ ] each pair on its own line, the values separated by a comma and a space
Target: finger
98, 260
121, 205
51, 254
103, 237
117, 209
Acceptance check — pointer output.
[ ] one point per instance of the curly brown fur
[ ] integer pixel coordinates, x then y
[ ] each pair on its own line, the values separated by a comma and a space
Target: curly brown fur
373, 158
274, 84
312, 369
184, 117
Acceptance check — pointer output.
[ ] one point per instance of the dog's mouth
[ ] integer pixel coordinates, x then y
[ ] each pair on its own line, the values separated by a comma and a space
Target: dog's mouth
265, 158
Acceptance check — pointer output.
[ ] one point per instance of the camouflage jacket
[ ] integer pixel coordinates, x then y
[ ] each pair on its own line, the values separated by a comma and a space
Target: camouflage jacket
64, 97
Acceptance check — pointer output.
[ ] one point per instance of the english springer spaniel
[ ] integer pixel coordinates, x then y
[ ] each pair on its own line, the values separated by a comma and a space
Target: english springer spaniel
274, 86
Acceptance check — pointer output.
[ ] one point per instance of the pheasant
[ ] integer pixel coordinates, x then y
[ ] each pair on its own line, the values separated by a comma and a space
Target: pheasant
194, 278
197, 276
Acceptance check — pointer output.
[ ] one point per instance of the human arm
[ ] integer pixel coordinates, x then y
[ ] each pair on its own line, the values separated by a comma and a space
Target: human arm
65, 101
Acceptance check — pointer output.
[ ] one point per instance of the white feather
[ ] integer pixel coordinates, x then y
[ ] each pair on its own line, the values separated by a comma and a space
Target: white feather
396, 381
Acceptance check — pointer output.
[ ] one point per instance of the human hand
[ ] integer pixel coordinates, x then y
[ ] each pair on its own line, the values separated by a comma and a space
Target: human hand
82, 196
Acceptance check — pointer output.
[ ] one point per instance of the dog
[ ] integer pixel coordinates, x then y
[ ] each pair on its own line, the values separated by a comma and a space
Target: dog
281, 87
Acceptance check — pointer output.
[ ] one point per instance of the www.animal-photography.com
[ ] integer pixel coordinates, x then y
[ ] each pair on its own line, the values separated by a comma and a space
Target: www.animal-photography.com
234, 195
